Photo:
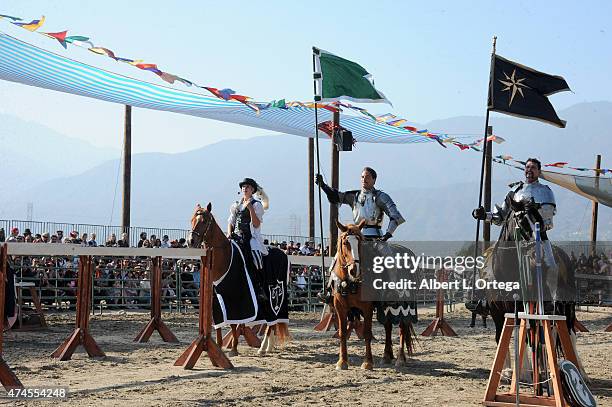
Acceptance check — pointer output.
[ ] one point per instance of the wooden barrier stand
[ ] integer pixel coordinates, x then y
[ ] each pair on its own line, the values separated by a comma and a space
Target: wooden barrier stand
204, 342
81, 335
439, 323
492, 398
156, 322
7, 377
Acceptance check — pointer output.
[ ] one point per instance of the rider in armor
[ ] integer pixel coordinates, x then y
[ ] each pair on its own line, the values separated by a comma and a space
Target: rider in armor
529, 191
369, 204
244, 227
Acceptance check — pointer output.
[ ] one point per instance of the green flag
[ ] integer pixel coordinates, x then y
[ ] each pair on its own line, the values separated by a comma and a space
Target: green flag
343, 79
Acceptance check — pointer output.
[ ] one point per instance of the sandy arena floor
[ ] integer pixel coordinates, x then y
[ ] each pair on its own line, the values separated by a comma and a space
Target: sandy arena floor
444, 371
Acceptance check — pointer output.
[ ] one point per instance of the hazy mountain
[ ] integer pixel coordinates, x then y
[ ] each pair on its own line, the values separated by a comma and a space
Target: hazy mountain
435, 188
31, 154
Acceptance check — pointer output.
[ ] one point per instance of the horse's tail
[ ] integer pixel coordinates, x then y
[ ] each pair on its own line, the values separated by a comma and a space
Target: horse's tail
283, 336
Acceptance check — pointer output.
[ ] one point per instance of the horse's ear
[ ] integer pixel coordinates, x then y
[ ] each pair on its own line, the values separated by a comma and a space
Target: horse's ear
209, 207
341, 226
361, 224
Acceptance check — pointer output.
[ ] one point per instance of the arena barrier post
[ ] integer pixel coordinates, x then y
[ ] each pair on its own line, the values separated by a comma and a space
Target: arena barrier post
81, 335
156, 323
204, 342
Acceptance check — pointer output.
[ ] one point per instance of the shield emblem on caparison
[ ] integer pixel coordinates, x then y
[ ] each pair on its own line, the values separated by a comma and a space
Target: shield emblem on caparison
277, 296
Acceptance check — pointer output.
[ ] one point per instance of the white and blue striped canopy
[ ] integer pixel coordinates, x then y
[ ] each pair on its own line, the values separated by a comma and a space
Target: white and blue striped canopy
24, 63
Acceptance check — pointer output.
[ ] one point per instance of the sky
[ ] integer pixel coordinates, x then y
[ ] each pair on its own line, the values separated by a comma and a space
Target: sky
431, 59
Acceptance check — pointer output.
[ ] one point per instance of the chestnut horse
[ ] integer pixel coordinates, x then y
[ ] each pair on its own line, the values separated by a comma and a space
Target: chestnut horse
206, 231
347, 300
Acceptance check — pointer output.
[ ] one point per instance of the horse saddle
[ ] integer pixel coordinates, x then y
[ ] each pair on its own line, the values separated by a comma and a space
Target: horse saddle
575, 389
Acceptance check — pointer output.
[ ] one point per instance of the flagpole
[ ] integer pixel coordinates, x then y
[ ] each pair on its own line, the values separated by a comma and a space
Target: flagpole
317, 98
482, 168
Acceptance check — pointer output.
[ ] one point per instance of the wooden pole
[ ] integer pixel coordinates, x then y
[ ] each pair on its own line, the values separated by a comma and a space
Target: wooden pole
486, 227
335, 180
127, 169
595, 209
311, 192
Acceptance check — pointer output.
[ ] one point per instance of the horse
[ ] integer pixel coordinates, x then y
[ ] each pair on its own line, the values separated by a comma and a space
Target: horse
347, 301
558, 284
206, 232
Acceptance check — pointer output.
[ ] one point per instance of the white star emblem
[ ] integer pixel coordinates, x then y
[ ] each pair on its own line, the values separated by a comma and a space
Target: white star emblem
514, 84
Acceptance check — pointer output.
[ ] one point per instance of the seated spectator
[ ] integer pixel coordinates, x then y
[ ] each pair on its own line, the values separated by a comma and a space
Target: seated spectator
55, 239
165, 242
112, 241
124, 242
182, 242
83, 239
143, 237
60, 236
92, 242
305, 251
2, 235
45, 237
14, 235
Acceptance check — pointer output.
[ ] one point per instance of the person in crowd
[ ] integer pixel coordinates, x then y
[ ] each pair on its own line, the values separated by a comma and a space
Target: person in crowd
143, 237
92, 242
14, 235
111, 241
125, 241
165, 242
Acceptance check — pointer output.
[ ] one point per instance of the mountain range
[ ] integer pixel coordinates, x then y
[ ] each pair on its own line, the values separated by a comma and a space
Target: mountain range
69, 180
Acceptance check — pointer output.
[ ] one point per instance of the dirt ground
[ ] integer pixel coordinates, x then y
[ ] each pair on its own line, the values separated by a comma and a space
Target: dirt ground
444, 371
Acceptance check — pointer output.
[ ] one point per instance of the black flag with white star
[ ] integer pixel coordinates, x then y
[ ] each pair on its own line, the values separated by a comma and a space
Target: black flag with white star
521, 91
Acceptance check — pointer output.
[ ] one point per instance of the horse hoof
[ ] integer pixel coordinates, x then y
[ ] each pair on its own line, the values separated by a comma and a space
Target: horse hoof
341, 366
233, 352
400, 363
387, 360
261, 352
367, 366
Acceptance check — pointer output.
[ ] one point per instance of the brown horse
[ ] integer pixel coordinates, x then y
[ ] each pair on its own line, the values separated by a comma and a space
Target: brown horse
206, 231
347, 301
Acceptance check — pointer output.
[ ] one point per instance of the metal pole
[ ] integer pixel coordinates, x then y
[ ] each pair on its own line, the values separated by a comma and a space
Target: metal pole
482, 167
595, 209
335, 181
317, 99
311, 194
127, 169
486, 227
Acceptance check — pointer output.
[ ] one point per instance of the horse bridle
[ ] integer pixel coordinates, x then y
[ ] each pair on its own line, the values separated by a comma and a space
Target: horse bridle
206, 228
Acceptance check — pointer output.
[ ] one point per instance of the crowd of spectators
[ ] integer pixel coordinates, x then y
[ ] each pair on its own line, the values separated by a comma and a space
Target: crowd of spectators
599, 264
126, 281
297, 249
89, 240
